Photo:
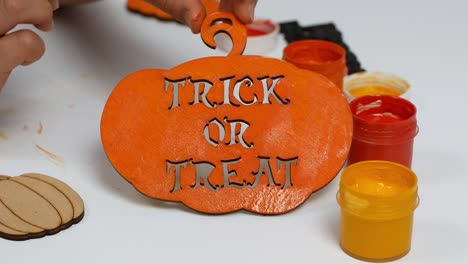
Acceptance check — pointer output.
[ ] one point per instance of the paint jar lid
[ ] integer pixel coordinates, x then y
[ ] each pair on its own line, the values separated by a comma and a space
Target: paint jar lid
375, 83
378, 190
383, 119
262, 38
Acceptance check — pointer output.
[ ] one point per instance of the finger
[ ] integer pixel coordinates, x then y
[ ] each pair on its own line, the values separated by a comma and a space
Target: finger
55, 4
190, 12
21, 47
243, 9
36, 12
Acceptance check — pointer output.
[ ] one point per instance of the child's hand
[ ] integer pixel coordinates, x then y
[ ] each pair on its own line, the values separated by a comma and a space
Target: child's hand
22, 47
192, 12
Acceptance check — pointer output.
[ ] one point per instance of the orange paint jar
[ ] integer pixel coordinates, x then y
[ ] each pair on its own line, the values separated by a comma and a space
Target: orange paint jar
384, 129
377, 200
324, 57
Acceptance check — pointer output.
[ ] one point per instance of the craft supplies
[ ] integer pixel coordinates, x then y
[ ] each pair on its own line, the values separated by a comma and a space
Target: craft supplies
324, 57
377, 200
384, 129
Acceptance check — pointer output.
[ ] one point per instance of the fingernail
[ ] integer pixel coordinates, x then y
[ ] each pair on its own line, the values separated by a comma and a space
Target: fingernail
188, 19
251, 9
194, 21
54, 5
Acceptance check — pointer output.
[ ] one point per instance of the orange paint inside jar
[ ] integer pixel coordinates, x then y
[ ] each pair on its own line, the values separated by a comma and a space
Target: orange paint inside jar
324, 57
377, 200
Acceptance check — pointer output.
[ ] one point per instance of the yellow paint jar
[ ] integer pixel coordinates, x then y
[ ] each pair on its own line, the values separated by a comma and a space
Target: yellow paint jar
377, 200
374, 83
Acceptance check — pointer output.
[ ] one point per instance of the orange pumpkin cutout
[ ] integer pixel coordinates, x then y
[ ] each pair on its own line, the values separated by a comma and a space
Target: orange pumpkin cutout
147, 9
221, 134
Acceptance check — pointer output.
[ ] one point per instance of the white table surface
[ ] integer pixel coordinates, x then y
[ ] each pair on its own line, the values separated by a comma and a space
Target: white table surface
94, 46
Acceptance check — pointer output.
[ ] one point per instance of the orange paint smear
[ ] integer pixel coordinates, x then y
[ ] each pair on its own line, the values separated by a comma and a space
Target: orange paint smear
3, 136
53, 157
8, 110
40, 128
148, 9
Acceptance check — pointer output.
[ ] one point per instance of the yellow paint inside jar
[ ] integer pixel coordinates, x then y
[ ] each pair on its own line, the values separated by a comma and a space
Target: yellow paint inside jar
373, 90
378, 185
377, 200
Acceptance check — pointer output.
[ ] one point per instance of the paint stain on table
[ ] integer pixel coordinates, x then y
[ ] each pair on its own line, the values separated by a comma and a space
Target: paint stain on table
57, 160
40, 128
6, 110
3, 136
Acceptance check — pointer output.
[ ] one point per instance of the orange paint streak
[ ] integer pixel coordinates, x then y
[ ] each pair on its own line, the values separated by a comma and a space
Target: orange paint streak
3, 136
148, 9
53, 157
8, 110
40, 128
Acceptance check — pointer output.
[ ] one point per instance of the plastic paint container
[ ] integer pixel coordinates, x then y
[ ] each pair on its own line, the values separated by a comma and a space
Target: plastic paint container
375, 83
262, 38
324, 57
377, 200
384, 129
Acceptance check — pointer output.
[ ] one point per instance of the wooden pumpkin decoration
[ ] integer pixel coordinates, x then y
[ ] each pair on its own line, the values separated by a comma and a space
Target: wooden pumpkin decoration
34, 205
221, 134
147, 9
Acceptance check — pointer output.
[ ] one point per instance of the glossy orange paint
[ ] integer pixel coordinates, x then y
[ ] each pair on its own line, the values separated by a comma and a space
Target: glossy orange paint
320, 56
221, 134
148, 9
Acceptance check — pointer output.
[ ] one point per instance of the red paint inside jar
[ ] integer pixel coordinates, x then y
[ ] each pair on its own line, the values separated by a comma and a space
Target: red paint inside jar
260, 28
382, 109
384, 129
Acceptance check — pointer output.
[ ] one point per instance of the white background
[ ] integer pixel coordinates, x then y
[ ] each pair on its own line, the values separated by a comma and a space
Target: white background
94, 46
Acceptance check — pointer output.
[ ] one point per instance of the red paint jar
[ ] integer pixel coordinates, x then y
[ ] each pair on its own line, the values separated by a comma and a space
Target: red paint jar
324, 57
384, 129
